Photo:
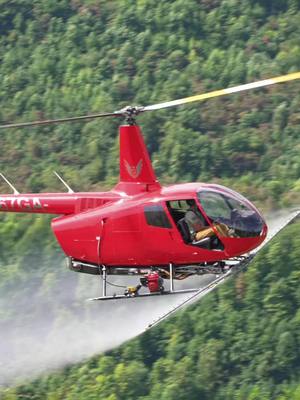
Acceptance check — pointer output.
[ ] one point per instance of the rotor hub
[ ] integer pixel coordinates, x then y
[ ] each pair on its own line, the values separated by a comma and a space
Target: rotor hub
130, 113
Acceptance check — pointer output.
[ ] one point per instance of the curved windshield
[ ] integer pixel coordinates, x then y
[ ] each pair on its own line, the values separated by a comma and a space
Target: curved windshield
233, 215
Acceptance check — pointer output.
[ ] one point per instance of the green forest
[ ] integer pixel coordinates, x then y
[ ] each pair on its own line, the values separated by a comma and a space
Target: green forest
69, 57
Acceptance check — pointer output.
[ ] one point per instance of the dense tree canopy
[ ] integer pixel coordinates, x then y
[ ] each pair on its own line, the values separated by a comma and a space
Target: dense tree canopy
69, 58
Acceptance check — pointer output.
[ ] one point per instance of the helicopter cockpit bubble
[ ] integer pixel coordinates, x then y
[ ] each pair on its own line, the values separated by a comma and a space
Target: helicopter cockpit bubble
233, 210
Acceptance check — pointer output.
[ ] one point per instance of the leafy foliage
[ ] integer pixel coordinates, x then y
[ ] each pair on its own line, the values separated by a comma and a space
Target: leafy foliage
70, 58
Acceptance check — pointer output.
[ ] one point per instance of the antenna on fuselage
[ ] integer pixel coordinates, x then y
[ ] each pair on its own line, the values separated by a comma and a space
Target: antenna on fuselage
65, 183
9, 184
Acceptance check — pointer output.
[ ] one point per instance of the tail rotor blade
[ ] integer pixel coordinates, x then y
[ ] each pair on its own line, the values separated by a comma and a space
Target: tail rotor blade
222, 92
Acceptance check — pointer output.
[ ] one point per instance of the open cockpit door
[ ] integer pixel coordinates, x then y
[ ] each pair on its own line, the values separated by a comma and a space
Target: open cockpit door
194, 228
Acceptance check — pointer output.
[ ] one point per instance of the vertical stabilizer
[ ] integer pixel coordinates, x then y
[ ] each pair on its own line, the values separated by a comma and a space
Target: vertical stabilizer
136, 171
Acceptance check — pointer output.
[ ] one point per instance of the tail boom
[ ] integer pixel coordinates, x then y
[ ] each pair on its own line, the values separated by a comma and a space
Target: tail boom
54, 203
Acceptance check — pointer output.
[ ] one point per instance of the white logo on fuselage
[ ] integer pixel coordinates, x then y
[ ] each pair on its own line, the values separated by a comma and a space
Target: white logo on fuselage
20, 202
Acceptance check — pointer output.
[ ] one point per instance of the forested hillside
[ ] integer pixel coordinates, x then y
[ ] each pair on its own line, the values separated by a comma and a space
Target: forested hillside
70, 57
241, 342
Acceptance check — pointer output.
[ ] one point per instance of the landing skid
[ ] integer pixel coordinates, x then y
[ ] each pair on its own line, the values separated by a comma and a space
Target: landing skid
221, 269
165, 293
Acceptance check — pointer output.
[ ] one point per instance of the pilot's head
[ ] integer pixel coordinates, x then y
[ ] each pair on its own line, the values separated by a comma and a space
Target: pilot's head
191, 203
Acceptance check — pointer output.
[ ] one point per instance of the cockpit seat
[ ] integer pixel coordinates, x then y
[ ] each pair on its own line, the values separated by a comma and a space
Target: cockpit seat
187, 237
184, 230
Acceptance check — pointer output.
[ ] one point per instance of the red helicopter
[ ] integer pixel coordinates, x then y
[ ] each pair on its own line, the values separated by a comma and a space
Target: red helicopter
140, 227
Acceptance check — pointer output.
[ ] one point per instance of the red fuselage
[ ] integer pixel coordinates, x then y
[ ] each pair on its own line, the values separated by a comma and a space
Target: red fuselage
137, 223
111, 228
118, 233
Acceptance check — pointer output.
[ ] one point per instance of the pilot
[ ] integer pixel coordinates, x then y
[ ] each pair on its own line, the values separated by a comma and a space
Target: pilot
194, 218
199, 228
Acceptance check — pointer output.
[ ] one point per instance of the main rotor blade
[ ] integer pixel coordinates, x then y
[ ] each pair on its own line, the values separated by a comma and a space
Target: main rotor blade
132, 111
222, 92
56, 121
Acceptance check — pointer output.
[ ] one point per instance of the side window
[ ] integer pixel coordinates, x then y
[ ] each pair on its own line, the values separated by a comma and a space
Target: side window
156, 216
178, 208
